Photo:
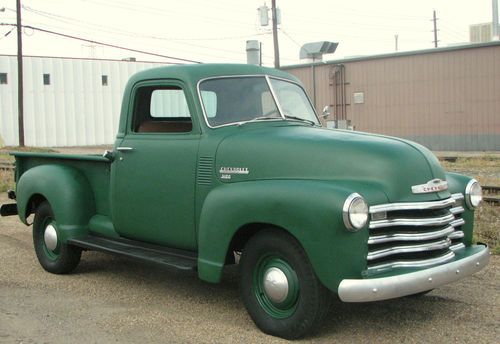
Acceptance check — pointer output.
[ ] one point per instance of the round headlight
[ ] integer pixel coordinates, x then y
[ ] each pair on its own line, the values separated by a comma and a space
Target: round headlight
355, 212
473, 194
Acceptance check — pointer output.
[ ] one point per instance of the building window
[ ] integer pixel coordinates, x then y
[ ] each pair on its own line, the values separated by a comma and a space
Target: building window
104, 79
46, 79
3, 78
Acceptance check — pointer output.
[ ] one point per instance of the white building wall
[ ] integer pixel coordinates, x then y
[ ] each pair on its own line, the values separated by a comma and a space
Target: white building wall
74, 110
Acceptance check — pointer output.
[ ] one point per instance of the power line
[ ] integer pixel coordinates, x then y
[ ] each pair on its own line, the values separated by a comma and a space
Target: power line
161, 12
291, 39
103, 29
143, 44
74, 21
103, 44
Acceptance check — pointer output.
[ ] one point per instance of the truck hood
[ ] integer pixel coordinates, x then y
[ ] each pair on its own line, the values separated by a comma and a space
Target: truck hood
349, 158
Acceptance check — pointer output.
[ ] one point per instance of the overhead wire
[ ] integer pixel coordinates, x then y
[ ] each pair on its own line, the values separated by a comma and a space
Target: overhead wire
161, 12
409, 29
70, 20
104, 44
182, 41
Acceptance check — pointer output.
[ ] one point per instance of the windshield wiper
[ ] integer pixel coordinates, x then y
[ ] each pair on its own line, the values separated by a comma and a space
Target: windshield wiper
301, 119
256, 119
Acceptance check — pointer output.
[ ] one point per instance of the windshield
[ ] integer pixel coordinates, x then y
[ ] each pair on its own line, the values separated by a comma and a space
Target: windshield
242, 99
293, 100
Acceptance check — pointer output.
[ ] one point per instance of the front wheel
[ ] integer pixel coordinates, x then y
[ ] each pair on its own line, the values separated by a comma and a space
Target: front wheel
53, 255
280, 289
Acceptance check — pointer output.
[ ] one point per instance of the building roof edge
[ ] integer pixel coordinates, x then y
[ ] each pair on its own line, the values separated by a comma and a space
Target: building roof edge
397, 54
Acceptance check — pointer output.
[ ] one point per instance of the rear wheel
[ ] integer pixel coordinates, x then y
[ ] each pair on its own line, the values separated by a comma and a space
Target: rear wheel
53, 255
280, 289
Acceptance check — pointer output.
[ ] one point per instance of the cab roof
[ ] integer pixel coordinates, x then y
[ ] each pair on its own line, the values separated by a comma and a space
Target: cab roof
192, 73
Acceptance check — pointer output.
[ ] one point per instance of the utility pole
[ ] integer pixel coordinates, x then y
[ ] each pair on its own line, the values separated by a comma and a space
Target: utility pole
396, 41
275, 35
434, 19
20, 102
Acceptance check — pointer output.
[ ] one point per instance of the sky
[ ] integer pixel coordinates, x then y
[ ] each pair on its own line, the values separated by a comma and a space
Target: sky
217, 30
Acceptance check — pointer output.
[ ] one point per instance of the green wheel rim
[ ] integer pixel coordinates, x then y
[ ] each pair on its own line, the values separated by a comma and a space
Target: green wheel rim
284, 308
53, 255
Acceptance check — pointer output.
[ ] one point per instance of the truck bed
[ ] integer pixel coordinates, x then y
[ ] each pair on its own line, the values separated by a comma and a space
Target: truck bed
94, 167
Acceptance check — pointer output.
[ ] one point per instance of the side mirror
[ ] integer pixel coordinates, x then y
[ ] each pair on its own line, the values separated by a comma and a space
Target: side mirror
325, 113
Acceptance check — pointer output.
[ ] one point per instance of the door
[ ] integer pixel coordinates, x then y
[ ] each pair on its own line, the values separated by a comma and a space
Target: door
155, 166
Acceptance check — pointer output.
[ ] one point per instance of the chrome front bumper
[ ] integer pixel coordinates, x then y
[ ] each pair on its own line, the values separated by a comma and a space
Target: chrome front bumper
376, 289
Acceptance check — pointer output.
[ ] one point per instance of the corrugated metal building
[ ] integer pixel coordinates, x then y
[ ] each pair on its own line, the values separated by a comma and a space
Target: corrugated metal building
444, 98
67, 102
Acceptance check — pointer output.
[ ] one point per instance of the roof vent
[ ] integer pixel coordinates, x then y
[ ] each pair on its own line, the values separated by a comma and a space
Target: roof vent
314, 51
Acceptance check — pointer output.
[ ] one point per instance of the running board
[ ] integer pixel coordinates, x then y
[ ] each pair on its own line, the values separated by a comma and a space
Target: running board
170, 257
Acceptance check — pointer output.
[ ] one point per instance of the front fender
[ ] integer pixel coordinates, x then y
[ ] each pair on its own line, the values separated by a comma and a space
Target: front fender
311, 211
68, 192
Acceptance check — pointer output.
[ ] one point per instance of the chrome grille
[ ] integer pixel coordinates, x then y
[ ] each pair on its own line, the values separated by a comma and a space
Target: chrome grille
414, 234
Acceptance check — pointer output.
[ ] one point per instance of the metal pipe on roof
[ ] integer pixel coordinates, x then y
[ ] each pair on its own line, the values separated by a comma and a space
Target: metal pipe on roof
494, 23
313, 72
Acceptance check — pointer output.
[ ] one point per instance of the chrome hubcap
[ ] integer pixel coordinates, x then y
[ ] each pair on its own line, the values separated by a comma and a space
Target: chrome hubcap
275, 285
50, 237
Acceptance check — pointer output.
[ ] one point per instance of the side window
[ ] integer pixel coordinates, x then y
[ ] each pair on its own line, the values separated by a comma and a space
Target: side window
161, 110
210, 103
169, 103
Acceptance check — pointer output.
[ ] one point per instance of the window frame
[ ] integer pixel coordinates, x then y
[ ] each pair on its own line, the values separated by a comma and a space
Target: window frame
154, 85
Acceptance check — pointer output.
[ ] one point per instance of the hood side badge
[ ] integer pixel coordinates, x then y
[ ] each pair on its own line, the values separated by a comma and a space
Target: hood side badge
434, 185
227, 172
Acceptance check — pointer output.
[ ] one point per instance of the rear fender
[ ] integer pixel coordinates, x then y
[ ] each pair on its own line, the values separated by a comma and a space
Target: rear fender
68, 192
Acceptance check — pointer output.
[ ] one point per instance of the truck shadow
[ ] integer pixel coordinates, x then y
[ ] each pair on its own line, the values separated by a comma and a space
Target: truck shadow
389, 316
145, 281
152, 279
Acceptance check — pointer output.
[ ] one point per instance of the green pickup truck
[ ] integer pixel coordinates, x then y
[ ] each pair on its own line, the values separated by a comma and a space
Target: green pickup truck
228, 164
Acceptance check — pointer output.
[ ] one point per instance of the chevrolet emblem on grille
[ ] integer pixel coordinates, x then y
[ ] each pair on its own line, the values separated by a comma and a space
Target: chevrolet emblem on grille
434, 185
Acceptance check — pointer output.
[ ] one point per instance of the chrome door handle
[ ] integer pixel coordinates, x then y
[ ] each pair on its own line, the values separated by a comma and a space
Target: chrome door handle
124, 149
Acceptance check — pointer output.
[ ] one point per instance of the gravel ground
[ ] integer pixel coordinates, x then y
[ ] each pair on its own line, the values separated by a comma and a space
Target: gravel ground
115, 300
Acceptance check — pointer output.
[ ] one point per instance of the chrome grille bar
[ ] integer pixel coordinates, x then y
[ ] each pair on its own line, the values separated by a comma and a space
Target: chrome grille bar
413, 263
457, 247
412, 206
431, 221
457, 210
457, 223
418, 236
456, 235
437, 245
